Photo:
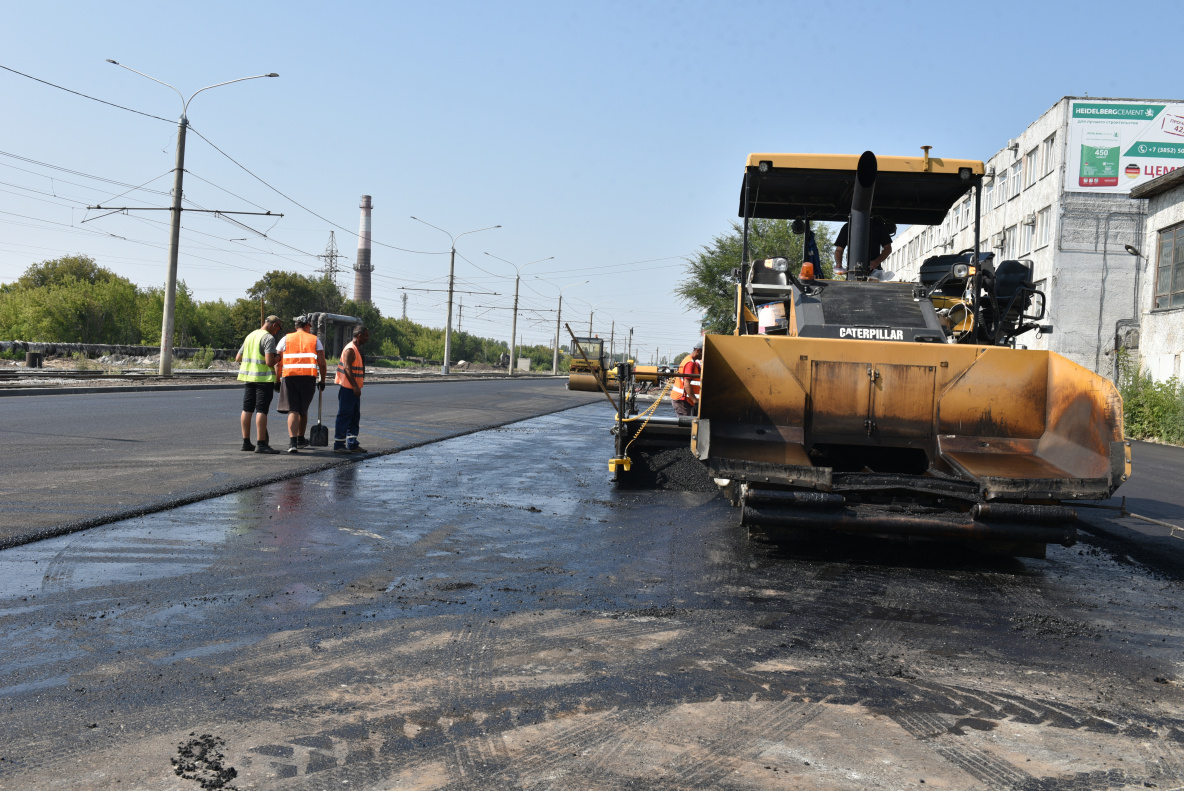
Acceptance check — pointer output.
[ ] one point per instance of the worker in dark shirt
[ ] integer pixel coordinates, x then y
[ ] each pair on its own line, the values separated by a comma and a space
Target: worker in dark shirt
879, 245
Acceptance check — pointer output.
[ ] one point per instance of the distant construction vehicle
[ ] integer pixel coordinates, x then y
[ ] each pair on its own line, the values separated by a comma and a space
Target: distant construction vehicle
905, 410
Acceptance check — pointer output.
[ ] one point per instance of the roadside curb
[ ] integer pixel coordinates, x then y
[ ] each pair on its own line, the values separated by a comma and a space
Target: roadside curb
264, 480
49, 391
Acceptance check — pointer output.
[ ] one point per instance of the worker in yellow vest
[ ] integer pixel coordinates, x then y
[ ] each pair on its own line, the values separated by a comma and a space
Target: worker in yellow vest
257, 359
301, 355
351, 375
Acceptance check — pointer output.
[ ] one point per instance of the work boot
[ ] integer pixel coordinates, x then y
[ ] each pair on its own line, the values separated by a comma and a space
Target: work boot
263, 447
247, 446
292, 444
341, 449
301, 442
358, 449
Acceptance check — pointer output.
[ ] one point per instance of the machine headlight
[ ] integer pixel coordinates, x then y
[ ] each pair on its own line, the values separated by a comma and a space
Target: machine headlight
961, 271
779, 265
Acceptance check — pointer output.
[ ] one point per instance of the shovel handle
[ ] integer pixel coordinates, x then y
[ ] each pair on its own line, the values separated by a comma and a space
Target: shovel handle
320, 399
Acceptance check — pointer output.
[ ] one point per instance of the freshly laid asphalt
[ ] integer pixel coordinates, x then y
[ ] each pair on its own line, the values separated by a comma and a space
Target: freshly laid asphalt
490, 612
74, 461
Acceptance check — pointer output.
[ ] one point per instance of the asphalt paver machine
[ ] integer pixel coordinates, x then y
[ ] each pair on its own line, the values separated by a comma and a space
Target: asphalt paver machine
905, 410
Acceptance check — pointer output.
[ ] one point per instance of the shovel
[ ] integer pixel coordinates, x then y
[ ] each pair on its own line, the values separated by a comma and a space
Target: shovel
318, 435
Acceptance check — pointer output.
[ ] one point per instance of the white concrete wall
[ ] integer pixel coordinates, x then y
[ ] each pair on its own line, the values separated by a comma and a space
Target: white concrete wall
1161, 332
1080, 264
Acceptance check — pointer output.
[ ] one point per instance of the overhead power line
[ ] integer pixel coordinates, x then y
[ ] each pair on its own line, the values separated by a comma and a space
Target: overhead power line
84, 175
85, 96
301, 205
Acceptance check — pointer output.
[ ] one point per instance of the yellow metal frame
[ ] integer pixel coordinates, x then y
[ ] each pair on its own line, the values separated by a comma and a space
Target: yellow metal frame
885, 164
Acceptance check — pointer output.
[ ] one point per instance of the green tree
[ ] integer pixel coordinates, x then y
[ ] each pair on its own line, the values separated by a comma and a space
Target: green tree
57, 271
709, 286
69, 310
289, 294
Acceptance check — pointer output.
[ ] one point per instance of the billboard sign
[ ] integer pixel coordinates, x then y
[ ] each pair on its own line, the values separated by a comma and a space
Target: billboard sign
1115, 145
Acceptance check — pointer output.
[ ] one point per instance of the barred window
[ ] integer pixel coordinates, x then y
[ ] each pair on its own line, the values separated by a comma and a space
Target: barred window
1169, 283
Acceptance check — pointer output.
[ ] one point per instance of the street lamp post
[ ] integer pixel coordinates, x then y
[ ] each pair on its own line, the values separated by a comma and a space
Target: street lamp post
514, 324
447, 366
558, 324
170, 288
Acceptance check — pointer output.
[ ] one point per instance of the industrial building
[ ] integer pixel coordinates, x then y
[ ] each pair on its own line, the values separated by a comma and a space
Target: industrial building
1060, 196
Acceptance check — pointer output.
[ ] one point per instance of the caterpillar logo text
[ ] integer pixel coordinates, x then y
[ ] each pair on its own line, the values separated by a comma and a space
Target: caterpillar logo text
871, 334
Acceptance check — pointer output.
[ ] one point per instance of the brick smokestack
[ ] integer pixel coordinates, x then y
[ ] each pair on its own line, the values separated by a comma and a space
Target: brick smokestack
362, 265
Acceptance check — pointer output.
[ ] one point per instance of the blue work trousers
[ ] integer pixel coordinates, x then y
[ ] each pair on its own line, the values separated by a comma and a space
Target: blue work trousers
349, 413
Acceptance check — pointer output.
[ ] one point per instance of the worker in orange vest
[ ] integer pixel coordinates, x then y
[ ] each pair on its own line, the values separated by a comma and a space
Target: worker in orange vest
684, 395
302, 354
351, 375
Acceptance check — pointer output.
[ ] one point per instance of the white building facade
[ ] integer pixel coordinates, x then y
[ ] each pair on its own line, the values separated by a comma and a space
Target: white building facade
1058, 196
1159, 343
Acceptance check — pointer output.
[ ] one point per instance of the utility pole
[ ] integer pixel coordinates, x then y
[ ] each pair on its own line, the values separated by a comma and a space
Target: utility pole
514, 327
460, 316
514, 323
612, 335
330, 257
170, 286
447, 365
404, 306
170, 282
629, 353
558, 318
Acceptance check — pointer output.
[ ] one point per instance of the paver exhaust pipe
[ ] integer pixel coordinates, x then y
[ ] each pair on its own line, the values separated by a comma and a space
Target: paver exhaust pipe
860, 231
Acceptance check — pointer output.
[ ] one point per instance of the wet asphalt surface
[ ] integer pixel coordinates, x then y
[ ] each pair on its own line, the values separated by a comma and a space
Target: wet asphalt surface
490, 612
77, 460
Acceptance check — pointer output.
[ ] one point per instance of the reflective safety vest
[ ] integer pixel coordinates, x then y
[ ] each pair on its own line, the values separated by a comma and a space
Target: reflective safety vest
679, 391
300, 354
254, 366
357, 367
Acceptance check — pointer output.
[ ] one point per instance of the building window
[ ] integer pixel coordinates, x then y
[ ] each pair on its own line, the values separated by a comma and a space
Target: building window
1031, 167
1169, 284
988, 196
1046, 153
1043, 226
967, 212
1028, 236
1001, 191
1011, 240
1014, 180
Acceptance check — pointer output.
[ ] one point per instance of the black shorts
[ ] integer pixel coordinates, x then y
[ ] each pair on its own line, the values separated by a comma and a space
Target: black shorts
298, 392
257, 397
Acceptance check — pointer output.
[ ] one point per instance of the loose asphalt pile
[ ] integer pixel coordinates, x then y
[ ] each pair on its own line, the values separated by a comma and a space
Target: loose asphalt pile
670, 470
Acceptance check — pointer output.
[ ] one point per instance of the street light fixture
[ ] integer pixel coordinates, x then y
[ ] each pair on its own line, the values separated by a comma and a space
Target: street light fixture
514, 324
447, 366
558, 320
170, 288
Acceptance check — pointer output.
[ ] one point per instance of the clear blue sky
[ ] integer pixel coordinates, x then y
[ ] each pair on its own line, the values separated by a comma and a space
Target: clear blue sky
600, 134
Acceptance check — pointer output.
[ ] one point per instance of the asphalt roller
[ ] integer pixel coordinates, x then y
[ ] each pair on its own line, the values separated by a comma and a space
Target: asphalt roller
898, 410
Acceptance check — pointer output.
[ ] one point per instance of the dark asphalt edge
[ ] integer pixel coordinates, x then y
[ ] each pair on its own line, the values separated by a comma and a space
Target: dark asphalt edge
1161, 555
264, 480
113, 389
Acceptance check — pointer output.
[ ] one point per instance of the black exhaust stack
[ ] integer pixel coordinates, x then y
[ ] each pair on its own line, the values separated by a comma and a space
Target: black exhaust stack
860, 232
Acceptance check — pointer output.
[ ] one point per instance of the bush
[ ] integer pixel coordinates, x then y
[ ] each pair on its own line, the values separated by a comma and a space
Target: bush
1151, 410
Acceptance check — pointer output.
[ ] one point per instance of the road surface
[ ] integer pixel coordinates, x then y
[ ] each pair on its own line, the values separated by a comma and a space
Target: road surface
74, 460
488, 612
